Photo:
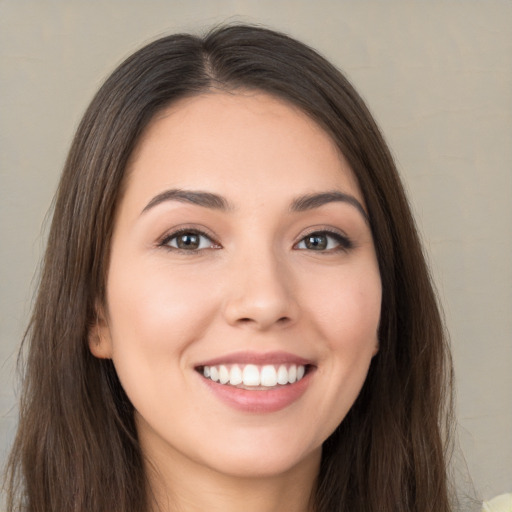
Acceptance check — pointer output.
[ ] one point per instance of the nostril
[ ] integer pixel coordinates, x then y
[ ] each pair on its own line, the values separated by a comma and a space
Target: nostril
247, 320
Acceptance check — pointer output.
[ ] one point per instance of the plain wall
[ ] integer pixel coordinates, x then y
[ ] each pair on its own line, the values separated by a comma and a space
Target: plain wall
436, 75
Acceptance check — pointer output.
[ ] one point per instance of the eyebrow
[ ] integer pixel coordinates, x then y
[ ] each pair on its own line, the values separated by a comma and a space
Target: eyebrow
205, 199
216, 202
315, 200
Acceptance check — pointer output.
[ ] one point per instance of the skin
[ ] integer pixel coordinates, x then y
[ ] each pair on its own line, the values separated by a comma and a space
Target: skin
252, 286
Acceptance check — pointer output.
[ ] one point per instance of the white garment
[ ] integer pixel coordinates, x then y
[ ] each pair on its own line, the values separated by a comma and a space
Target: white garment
502, 503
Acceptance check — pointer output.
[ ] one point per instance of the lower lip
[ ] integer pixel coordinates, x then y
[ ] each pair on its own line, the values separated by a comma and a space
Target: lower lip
259, 401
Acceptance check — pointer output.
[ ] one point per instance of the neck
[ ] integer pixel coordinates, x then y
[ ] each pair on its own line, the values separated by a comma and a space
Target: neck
179, 484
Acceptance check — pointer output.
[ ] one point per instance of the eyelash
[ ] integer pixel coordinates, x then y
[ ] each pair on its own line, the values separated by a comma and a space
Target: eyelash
343, 242
187, 231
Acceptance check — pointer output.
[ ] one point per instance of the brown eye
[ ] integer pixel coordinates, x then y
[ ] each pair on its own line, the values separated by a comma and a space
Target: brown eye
189, 241
325, 241
316, 242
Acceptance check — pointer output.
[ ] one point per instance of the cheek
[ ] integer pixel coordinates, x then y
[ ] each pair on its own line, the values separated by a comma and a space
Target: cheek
347, 319
155, 315
358, 309
348, 310
157, 311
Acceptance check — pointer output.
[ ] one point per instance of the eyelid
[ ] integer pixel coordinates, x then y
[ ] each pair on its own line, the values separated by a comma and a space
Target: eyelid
344, 241
187, 228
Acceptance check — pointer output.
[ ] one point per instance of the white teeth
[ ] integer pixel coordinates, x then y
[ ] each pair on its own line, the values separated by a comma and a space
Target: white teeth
282, 375
223, 374
235, 377
292, 374
214, 373
268, 376
250, 375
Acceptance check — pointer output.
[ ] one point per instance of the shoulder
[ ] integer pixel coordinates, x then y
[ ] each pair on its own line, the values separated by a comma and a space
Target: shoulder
502, 503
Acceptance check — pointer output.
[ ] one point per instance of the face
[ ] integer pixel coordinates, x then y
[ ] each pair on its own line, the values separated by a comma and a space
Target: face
243, 291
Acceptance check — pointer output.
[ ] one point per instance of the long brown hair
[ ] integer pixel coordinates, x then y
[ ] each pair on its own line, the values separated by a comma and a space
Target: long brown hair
76, 448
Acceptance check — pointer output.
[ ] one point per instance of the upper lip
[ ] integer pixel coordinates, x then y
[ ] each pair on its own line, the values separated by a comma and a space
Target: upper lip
258, 358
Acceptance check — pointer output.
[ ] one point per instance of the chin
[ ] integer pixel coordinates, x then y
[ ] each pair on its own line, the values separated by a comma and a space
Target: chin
266, 465
264, 457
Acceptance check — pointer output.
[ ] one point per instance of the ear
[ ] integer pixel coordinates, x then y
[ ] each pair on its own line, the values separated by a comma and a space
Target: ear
100, 339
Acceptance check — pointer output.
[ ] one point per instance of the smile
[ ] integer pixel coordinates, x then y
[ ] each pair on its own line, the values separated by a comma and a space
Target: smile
255, 377
257, 382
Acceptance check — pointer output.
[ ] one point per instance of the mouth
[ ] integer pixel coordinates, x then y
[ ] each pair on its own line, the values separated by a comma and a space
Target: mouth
255, 377
257, 382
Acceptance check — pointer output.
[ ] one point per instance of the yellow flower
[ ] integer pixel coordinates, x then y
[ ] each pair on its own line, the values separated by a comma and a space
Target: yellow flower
502, 503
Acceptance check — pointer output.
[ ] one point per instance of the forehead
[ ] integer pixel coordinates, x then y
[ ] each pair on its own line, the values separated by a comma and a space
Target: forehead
224, 140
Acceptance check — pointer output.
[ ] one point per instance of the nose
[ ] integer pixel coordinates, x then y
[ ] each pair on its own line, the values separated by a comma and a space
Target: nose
261, 293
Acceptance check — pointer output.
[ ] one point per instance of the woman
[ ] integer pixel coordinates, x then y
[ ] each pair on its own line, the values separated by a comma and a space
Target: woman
234, 312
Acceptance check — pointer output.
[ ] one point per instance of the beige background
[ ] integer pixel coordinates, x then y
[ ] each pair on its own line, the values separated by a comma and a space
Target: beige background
438, 77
